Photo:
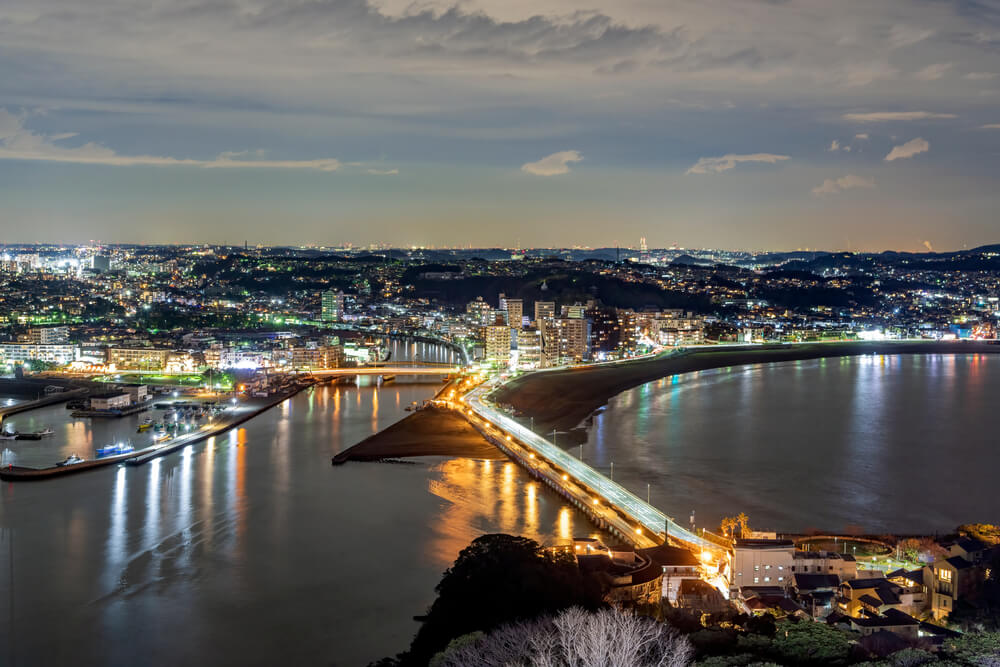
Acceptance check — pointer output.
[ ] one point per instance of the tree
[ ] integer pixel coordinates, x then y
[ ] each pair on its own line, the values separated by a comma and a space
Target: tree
981, 649
575, 638
500, 579
807, 642
921, 550
744, 522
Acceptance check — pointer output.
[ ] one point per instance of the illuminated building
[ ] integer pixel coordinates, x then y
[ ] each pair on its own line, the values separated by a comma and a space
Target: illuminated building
332, 307
515, 312
498, 344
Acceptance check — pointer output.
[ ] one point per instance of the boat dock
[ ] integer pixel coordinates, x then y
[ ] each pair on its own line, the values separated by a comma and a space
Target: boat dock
20, 473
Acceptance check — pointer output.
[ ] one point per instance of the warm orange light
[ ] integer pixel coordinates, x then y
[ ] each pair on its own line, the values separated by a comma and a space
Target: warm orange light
565, 477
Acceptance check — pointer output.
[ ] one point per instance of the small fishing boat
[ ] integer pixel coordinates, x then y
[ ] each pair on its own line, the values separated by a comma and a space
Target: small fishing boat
70, 460
37, 435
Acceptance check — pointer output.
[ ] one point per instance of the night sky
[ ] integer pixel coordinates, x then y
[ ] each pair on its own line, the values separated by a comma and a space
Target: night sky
755, 124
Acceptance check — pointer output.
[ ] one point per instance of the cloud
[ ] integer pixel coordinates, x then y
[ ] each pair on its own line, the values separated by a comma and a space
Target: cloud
552, 165
932, 72
383, 172
19, 143
979, 76
713, 165
885, 116
834, 146
861, 136
927, 244
834, 185
904, 35
908, 150
990, 126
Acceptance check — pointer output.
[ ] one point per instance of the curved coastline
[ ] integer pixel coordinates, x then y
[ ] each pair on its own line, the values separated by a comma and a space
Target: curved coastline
563, 400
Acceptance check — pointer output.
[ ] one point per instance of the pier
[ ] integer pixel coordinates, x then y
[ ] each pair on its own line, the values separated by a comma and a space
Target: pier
246, 412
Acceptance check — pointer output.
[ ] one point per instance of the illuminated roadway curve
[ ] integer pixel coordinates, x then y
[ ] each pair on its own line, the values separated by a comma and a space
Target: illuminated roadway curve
645, 514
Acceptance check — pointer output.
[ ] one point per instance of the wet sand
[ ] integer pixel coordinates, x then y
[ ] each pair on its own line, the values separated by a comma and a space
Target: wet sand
563, 400
428, 432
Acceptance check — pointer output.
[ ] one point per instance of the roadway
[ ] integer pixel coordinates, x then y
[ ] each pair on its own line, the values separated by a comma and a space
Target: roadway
390, 370
612, 493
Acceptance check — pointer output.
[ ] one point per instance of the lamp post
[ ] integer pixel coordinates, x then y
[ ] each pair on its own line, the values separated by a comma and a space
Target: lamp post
612, 471
647, 493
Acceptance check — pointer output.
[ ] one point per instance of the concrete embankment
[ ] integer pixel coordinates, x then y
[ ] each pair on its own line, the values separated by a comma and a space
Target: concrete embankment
50, 399
17, 473
563, 399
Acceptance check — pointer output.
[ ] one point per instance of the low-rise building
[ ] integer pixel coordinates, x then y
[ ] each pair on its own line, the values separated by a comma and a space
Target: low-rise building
112, 400
28, 352
762, 562
845, 566
678, 565
955, 575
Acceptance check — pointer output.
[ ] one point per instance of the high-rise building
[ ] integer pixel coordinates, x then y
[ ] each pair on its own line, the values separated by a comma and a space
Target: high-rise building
515, 313
479, 312
544, 310
565, 340
498, 344
605, 330
576, 311
332, 306
529, 348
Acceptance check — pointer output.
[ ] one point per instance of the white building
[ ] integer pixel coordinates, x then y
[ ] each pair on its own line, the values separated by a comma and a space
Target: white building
758, 562
22, 352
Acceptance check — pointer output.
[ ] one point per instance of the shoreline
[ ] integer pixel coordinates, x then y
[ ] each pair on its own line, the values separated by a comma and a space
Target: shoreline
23, 474
565, 400
426, 432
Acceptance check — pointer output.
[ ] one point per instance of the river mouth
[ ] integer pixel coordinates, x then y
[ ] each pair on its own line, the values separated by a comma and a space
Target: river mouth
865, 444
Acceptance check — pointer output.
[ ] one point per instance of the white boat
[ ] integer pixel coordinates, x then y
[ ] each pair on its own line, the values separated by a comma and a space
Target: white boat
70, 460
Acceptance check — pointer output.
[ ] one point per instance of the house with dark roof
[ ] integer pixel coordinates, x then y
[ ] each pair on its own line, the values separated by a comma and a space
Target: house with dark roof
957, 574
815, 592
678, 565
867, 596
892, 620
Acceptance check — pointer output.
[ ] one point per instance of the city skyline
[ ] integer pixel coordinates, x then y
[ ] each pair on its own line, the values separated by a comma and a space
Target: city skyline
747, 125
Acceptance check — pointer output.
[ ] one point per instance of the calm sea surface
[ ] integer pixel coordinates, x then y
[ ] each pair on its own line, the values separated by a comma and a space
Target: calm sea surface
250, 548
903, 443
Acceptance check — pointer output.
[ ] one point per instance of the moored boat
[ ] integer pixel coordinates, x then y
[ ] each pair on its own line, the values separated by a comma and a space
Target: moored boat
70, 460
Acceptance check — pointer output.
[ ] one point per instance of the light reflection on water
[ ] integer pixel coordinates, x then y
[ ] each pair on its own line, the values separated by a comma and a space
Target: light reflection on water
199, 555
878, 442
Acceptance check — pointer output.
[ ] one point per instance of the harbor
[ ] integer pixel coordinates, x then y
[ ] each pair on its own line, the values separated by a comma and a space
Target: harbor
153, 444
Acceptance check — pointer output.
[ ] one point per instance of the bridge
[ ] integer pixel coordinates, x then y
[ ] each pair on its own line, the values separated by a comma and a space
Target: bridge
616, 509
396, 368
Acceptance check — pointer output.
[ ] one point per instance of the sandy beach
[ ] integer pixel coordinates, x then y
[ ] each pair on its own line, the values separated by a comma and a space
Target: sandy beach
561, 400
428, 432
